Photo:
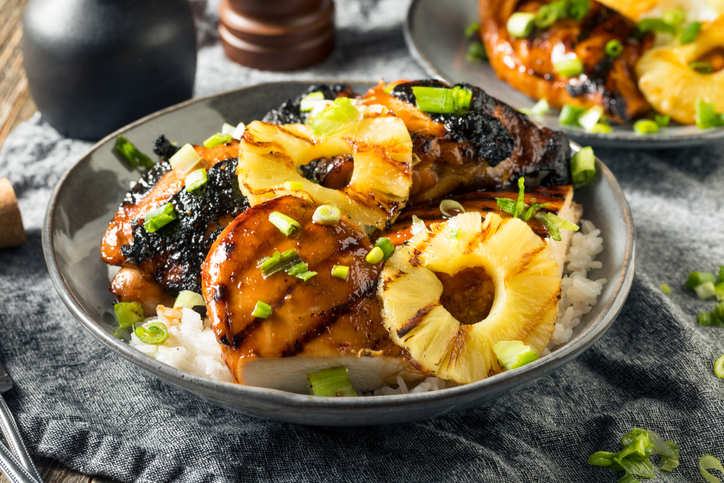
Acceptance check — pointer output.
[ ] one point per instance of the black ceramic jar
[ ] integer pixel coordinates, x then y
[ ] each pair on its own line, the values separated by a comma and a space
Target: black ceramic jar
93, 66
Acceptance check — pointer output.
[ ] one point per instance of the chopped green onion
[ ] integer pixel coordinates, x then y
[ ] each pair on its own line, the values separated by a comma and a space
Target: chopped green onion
239, 131
306, 275
442, 100
128, 313
601, 128
284, 223
589, 119
130, 153
520, 25
217, 140
155, 333
448, 207
520, 204
340, 271
674, 17
645, 126
261, 310
570, 114
690, 33
187, 298
185, 159
196, 179
386, 246
539, 109
655, 25
375, 255
514, 354
583, 167
614, 48
638, 446
569, 68
471, 30
705, 290
293, 186
326, 215
702, 67
532, 210
227, 128
298, 269
709, 462
332, 382
577, 9
706, 116
546, 16
662, 120
665, 288
278, 262
697, 278
715, 317
455, 232
476, 54
160, 217
554, 224
721, 273
506, 204
309, 101
338, 116
719, 367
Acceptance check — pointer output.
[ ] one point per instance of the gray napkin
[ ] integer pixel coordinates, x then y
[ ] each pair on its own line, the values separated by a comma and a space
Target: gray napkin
78, 402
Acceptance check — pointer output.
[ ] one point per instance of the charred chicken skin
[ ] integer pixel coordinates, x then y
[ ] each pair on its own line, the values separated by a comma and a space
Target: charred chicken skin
528, 64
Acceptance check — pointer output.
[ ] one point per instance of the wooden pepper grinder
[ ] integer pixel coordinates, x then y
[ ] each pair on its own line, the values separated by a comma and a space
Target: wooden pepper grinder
277, 35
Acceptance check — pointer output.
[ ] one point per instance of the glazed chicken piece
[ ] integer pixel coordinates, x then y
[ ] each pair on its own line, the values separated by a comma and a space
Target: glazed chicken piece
169, 260
528, 64
323, 322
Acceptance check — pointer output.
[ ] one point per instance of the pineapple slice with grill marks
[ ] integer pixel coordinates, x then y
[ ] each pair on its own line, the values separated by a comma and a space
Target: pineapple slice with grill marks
525, 304
380, 144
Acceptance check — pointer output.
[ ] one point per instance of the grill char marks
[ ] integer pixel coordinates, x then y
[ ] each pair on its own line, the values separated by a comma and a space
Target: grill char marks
323, 317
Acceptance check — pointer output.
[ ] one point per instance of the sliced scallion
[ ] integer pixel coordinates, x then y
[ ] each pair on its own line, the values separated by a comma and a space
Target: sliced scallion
155, 333
706, 116
130, 153
662, 120
450, 208
293, 186
442, 100
705, 290
697, 278
655, 25
278, 262
539, 109
577, 9
520, 25
569, 68
261, 310
583, 167
298, 269
187, 298
160, 217
475, 53
709, 462
472, 30
690, 33
602, 128
674, 17
614, 48
196, 179
340, 271
309, 101
375, 255
386, 246
701, 67
227, 128
554, 224
327, 215
589, 119
645, 126
284, 223
506, 204
719, 367
217, 140
332, 382
665, 288
128, 313
532, 211
185, 159
338, 116
239, 131
570, 114
546, 16
514, 354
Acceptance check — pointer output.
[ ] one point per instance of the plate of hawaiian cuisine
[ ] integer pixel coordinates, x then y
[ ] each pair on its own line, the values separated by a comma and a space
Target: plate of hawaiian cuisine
342, 253
636, 73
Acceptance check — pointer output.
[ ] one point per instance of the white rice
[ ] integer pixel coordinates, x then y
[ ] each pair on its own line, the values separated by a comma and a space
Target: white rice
192, 346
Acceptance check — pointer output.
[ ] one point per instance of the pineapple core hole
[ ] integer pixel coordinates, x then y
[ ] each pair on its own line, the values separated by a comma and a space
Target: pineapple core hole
468, 295
715, 57
333, 173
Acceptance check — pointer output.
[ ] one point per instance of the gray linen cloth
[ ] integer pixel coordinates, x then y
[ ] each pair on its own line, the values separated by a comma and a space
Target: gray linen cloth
78, 402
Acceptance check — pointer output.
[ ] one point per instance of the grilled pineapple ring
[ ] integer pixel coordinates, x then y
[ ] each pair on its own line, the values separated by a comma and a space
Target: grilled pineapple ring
527, 289
671, 86
380, 145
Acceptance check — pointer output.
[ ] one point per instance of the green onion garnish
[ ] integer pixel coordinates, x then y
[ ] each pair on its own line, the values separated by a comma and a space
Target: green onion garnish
293, 186
506, 204
719, 370
450, 208
614, 48
340, 271
326, 215
284, 223
706, 116
546, 16
697, 278
476, 54
298, 269
577, 9
518, 208
185, 159
239, 131
278, 262
514, 354
705, 290
130, 153
662, 120
589, 119
332, 382
472, 30
375, 255
715, 317
665, 288
655, 25
601, 128
570, 114
386, 246
702, 67
539, 109
442, 100
554, 224
128, 313
309, 101
196, 179
520, 25
690, 33
261, 310
336, 117
160, 217
709, 462
638, 446
569, 68
583, 167
187, 298
155, 333
645, 126
674, 17
217, 140
227, 128
721, 273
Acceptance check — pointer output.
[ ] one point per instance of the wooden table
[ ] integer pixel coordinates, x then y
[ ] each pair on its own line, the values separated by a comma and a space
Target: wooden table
16, 105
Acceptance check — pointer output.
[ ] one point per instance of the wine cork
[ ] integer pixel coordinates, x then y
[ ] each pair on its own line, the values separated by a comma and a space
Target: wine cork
12, 233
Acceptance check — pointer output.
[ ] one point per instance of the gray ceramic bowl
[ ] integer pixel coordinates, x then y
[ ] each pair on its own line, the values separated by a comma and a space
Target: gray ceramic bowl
435, 35
87, 196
